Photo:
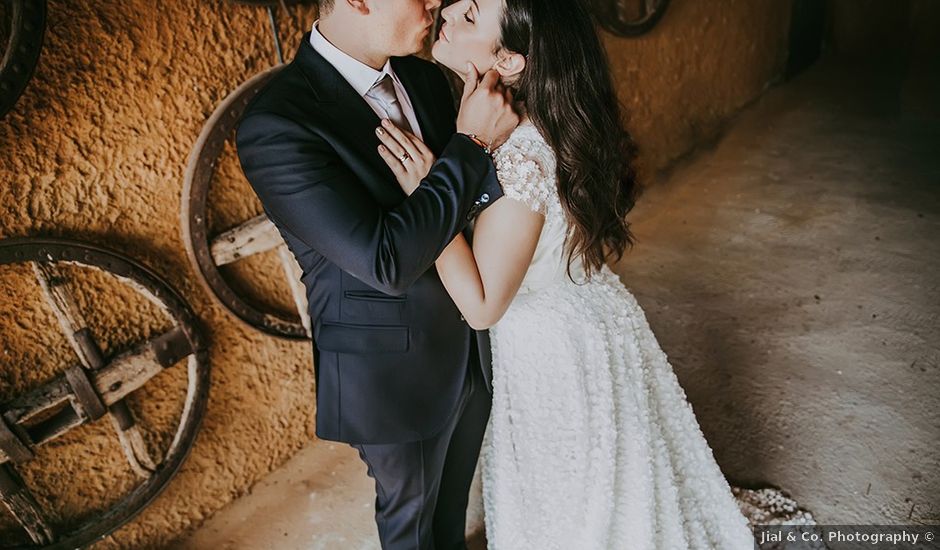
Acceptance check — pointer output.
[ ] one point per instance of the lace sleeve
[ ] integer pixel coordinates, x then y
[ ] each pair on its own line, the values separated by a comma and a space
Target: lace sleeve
526, 173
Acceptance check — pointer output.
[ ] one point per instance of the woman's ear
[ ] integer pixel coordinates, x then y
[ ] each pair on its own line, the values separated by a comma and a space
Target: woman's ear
510, 64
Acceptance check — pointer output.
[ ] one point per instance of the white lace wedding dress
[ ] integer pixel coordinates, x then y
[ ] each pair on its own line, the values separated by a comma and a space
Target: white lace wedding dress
591, 442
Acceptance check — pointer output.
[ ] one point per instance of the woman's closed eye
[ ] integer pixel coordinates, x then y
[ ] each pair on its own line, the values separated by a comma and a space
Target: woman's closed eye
468, 14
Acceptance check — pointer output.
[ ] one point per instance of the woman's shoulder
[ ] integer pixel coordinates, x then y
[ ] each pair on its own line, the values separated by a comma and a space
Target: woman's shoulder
525, 138
525, 166
526, 143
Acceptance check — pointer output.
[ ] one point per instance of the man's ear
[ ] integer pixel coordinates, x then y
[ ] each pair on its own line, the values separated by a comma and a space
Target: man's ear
510, 64
358, 5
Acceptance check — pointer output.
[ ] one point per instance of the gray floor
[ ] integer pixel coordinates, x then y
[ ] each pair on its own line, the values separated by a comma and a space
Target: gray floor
789, 271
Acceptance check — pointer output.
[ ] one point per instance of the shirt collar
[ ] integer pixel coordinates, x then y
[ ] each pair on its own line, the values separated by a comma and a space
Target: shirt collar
359, 75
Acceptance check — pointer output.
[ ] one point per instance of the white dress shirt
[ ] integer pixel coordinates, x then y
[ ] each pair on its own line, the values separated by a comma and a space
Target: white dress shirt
361, 77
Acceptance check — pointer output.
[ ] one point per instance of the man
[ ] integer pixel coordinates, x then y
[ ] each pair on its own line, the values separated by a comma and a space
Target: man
400, 375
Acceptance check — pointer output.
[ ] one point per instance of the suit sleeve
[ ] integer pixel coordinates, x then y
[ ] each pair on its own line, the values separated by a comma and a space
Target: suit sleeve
306, 189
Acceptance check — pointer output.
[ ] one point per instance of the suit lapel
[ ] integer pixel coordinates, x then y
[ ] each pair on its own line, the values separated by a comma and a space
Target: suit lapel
348, 122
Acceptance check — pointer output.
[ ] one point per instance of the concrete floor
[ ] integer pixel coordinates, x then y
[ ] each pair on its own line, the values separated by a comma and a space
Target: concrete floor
789, 270
321, 499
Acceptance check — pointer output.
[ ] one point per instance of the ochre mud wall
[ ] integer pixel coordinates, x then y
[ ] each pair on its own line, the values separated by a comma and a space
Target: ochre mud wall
96, 149
702, 63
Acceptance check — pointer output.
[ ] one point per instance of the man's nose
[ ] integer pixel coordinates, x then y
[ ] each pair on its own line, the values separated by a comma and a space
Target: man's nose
433, 4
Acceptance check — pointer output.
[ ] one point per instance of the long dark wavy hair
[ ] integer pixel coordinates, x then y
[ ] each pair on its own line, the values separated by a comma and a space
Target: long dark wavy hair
568, 93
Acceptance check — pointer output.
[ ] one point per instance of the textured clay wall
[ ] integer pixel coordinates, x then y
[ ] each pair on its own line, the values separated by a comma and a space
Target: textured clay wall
96, 149
701, 64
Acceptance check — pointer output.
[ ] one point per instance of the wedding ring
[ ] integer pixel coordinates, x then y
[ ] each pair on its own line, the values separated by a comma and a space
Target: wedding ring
404, 157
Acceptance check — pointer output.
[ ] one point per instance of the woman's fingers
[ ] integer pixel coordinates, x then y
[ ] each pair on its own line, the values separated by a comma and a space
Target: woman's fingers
390, 143
399, 136
393, 162
408, 135
470, 83
416, 143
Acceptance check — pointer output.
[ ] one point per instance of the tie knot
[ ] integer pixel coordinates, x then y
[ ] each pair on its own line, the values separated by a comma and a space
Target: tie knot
384, 90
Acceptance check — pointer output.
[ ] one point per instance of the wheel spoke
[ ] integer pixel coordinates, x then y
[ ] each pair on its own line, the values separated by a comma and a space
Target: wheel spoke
57, 294
132, 441
124, 374
293, 272
23, 505
252, 237
59, 298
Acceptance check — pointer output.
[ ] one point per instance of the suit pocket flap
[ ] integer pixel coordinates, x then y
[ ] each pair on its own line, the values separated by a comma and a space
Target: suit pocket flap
362, 339
361, 307
373, 296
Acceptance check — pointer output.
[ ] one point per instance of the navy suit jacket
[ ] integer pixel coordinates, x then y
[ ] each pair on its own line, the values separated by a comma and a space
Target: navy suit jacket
390, 347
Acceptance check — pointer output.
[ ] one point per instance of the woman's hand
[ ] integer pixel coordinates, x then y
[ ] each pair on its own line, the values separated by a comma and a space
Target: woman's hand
407, 156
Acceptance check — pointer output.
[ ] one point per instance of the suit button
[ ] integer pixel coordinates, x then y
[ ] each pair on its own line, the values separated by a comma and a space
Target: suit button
485, 198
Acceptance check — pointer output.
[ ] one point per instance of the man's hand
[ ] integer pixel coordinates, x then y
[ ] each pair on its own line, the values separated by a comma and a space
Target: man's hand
486, 108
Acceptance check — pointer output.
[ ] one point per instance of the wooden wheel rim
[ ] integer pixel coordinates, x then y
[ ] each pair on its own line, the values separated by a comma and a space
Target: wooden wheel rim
610, 15
199, 173
27, 27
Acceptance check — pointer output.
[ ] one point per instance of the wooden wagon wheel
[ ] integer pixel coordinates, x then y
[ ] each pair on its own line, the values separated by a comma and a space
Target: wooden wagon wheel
251, 237
97, 387
629, 17
25, 24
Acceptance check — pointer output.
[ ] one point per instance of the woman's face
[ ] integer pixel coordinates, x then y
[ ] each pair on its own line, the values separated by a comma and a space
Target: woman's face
470, 32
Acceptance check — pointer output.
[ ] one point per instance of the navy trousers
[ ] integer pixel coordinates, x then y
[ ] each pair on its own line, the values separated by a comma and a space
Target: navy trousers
422, 488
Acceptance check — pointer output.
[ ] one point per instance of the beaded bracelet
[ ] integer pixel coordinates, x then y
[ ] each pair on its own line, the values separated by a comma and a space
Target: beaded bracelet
479, 142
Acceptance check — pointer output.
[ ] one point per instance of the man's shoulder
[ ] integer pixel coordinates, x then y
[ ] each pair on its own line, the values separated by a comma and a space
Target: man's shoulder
285, 105
281, 93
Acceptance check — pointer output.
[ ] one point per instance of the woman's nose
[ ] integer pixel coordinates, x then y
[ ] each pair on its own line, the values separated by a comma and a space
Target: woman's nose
447, 14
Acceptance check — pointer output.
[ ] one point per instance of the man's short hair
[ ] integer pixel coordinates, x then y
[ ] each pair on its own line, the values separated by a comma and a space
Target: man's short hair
324, 6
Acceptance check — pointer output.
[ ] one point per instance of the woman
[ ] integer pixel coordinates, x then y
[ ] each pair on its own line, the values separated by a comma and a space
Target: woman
591, 442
